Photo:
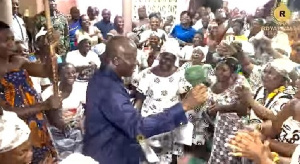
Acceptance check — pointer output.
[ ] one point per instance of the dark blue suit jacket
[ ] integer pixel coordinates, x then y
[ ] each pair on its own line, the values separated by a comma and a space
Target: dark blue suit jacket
113, 124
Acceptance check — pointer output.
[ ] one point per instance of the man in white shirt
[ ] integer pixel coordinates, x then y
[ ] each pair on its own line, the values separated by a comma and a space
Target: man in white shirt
85, 60
18, 25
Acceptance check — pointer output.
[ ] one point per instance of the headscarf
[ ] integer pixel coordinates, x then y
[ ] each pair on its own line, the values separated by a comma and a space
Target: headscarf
83, 37
203, 50
232, 63
13, 131
170, 46
284, 67
42, 32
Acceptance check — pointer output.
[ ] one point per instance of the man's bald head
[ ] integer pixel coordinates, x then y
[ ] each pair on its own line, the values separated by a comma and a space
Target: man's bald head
120, 46
121, 54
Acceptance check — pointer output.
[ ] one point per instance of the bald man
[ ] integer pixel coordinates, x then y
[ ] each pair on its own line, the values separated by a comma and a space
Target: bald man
112, 124
143, 18
105, 25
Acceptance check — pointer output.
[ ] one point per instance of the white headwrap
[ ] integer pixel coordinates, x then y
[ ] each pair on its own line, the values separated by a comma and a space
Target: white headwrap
204, 50
42, 32
13, 131
154, 33
83, 37
77, 158
171, 46
284, 67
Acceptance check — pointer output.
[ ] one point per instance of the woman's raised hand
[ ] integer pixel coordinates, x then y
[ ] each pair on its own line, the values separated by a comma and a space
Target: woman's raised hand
244, 94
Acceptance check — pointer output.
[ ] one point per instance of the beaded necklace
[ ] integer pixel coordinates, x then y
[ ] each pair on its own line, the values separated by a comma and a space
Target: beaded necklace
276, 92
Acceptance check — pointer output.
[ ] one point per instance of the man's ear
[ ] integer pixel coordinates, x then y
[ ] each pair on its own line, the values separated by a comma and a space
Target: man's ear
115, 61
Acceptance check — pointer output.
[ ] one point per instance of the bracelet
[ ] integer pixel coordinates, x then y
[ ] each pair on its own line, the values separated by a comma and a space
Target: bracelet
276, 158
258, 127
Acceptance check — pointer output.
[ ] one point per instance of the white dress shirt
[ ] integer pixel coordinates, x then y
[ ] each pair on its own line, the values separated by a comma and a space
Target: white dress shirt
75, 58
19, 30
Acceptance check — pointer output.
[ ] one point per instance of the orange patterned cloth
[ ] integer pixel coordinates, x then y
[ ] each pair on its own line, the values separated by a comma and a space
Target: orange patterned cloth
18, 91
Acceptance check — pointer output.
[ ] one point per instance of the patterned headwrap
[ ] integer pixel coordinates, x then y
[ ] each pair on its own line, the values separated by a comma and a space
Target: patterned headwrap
13, 131
232, 63
284, 67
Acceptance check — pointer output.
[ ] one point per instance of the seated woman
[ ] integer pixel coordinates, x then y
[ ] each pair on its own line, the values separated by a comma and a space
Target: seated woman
269, 100
151, 50
184, 31
248, 143
154, 27
198, 58
84, 60
88, 31
73, 95
15, 144
198, 42
118, 28
15, 147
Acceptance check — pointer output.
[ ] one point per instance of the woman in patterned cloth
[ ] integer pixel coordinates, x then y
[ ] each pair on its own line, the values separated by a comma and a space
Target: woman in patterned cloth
248, 144
269, 100
197, 59
224, 104
160, 87
19, 96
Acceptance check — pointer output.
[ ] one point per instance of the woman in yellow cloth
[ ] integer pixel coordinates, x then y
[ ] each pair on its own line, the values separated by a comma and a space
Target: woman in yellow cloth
18, 95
